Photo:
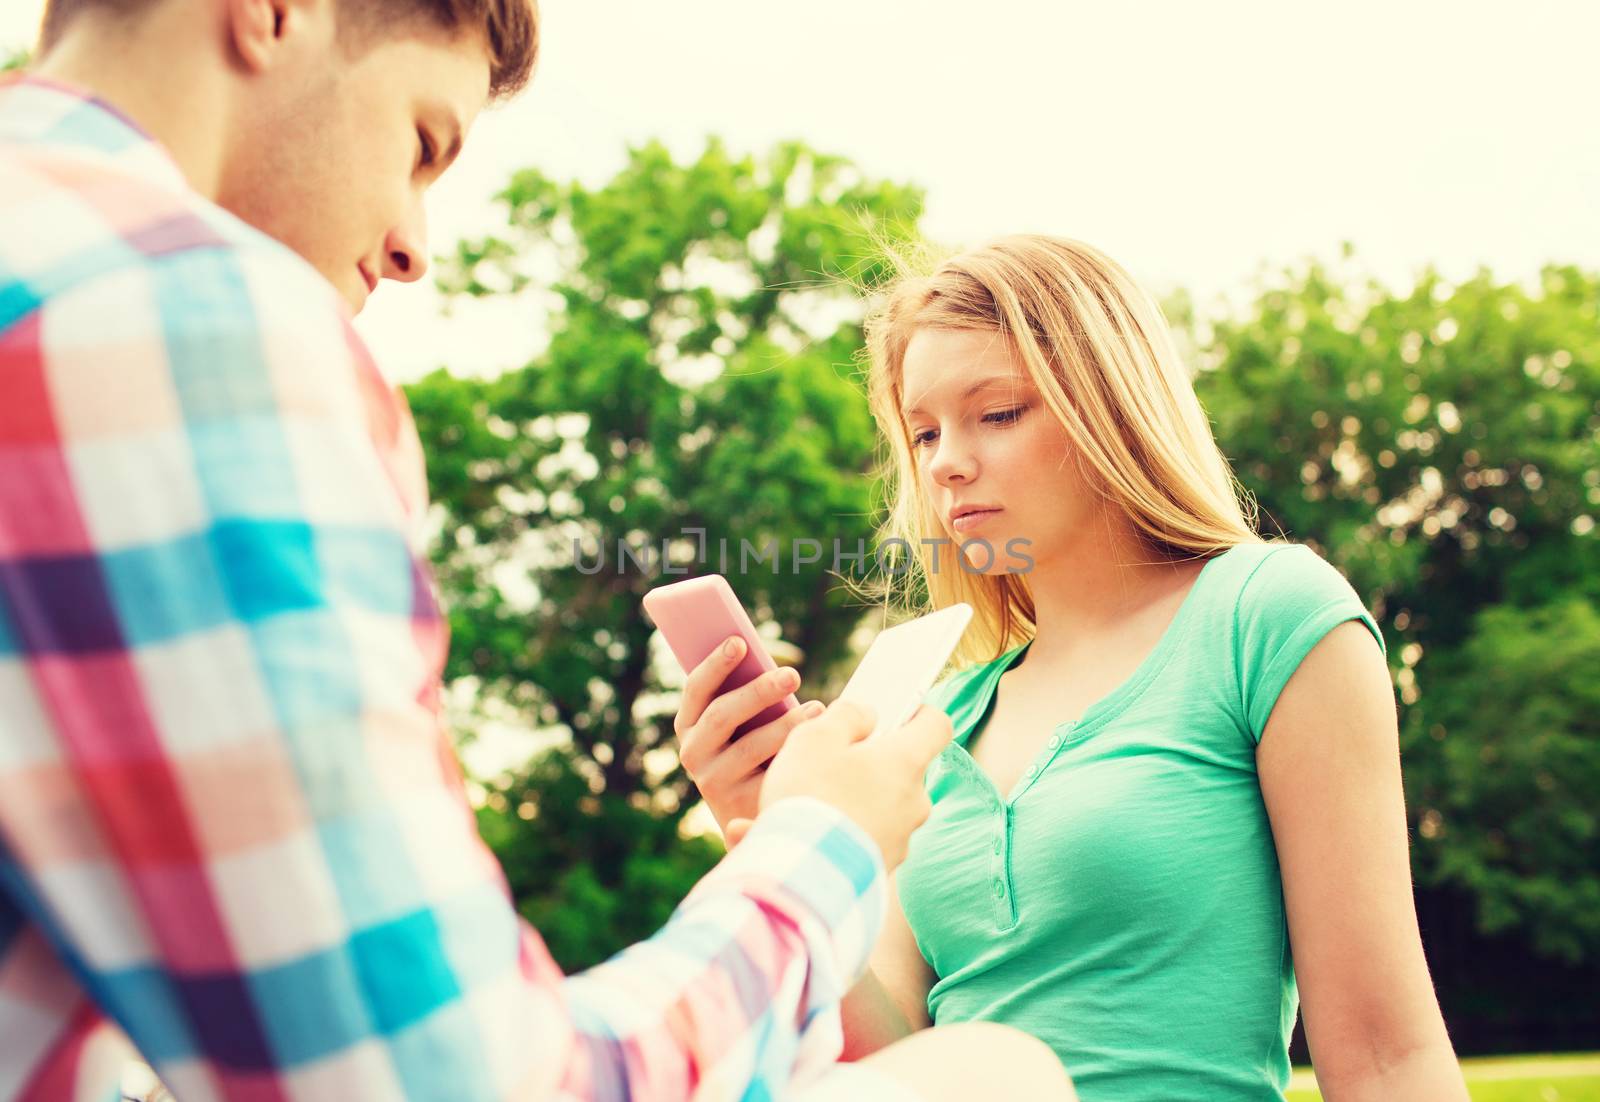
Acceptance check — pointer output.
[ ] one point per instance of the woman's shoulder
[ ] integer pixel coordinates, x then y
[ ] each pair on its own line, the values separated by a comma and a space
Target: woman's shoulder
1278, 577
1285, 597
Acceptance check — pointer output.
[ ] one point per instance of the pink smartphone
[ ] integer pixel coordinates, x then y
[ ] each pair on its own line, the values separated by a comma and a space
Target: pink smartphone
694, 617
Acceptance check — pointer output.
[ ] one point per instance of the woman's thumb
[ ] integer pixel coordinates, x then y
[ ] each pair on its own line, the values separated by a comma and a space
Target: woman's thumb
737, 829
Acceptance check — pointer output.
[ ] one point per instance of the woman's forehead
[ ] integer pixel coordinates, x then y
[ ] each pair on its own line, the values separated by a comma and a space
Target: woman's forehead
954, 365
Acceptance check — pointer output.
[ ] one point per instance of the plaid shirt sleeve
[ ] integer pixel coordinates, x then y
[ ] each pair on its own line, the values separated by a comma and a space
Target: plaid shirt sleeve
230, 822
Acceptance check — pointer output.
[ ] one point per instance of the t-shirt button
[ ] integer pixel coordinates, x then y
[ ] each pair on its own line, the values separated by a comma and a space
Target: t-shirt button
1055, 740
997, 845
1032, 769
999, 889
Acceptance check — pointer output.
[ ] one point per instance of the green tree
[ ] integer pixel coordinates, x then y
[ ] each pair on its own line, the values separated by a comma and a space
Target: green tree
1440, 446
15, 59
699, 386
591, 872
1508, 796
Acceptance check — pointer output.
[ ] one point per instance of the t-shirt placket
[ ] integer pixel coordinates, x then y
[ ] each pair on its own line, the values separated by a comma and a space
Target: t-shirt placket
1003, 884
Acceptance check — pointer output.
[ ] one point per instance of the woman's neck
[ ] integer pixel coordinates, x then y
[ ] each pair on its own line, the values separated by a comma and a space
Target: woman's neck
1097, 585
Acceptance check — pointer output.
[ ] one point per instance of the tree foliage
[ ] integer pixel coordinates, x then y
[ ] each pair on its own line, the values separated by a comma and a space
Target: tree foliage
1507, 785
1440, 446
591, 872
700, 389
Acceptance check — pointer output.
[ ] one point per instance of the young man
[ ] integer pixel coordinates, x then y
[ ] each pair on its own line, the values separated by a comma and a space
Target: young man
230, 827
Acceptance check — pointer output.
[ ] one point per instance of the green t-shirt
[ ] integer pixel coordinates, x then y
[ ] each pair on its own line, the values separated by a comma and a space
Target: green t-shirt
1124, 903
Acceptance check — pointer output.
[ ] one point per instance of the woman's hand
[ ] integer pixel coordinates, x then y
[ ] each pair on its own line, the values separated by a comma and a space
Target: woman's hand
729, 773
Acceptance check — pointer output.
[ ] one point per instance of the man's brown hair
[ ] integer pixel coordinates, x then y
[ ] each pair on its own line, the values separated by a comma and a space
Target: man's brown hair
510, 28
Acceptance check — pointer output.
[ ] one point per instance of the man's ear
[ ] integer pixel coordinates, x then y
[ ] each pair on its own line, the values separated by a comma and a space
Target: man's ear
261, 29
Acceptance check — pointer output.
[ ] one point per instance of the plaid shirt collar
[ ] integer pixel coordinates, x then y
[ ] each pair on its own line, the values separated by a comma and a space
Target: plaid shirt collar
36, 110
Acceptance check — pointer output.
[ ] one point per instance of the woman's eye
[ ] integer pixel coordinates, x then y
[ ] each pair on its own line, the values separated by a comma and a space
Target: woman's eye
1005, 416
923, 438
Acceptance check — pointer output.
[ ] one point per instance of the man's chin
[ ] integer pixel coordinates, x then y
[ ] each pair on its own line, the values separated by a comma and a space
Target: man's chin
350, 284
354, 297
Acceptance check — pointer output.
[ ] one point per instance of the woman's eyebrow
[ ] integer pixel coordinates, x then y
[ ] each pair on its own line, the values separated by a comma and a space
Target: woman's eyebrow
1016, 382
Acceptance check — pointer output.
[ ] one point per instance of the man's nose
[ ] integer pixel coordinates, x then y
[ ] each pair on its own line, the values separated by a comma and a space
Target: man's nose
405, 250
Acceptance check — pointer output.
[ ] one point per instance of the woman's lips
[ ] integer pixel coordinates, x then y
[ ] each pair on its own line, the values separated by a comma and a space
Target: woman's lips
968, 521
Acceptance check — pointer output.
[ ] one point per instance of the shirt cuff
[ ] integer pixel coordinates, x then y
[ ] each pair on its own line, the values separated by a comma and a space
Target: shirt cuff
811, 856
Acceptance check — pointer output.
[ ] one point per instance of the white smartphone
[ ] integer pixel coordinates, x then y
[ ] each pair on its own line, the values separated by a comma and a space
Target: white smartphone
903, 663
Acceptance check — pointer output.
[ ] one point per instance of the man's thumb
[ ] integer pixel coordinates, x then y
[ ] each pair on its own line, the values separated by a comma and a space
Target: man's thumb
924, 735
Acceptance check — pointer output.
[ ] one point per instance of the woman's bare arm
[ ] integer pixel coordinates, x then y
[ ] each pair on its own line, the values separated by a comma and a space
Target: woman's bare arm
1329, 764
891, 1000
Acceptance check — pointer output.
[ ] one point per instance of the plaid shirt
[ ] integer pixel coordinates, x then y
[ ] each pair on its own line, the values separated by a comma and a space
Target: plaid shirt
231, 827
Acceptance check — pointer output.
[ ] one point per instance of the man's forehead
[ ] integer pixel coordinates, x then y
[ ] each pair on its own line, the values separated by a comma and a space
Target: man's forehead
446, 80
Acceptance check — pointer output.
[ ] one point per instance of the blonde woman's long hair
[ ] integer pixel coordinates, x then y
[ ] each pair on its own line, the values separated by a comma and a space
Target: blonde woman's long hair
1098, 349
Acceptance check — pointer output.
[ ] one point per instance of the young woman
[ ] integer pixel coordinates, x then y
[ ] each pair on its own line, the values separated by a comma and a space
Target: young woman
1172, 813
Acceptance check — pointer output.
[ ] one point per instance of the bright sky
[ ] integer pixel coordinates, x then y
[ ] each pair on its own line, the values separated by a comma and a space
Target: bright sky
1194, 142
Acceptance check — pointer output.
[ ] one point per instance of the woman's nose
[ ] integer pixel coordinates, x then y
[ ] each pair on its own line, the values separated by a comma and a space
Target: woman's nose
951, 462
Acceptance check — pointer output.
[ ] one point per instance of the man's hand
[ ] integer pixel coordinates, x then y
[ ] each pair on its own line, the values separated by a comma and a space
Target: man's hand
877, 783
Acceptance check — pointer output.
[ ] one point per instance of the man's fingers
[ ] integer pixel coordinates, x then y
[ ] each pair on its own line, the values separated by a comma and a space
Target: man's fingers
760, 746
854, 721
863, 732
923, 736
841, 720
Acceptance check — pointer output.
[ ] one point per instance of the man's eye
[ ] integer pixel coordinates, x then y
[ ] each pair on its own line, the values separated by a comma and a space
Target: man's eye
426, 154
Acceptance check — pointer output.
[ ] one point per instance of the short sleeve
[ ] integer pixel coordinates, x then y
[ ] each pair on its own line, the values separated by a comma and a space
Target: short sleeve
1289, 602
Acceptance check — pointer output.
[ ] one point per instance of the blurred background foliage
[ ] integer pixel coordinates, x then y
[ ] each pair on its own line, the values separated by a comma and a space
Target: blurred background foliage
698, 387
1442, 447
1439, 445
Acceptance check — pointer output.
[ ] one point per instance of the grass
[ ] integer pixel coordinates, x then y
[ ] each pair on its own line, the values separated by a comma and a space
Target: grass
1567, 1077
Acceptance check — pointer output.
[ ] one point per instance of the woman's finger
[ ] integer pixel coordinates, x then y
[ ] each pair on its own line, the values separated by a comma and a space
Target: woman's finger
737, 829
704, 680
702, 742
752, 752
738, 706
